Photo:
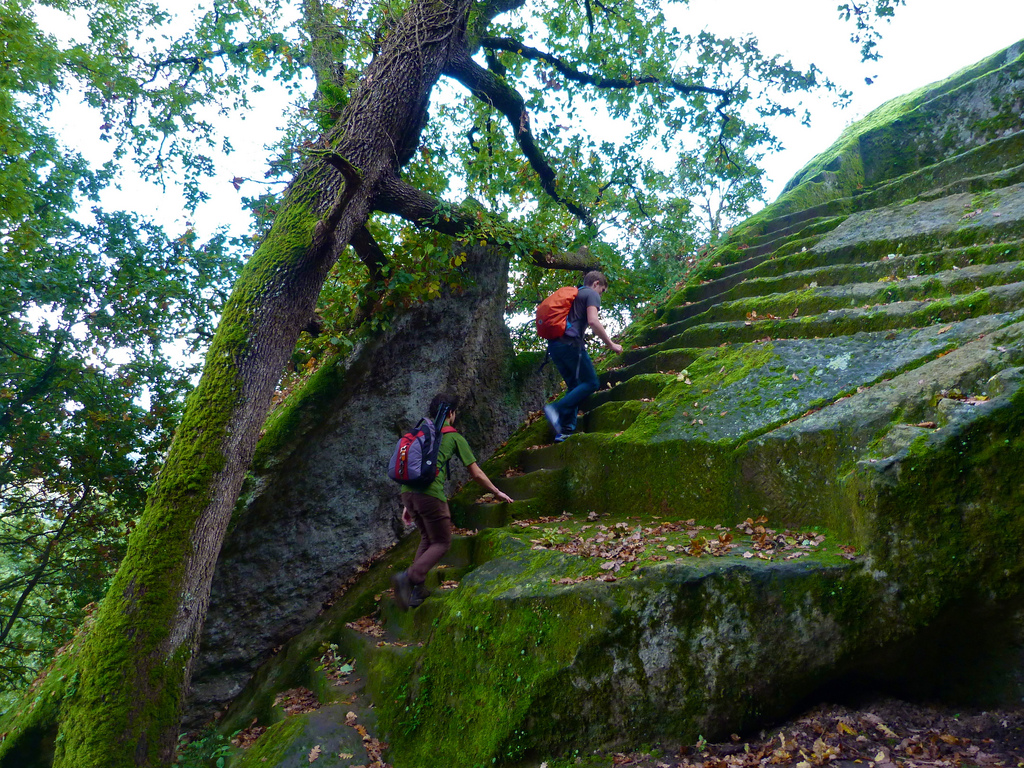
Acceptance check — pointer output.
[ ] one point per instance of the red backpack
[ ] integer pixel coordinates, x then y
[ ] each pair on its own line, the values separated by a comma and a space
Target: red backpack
553, 313
414, 461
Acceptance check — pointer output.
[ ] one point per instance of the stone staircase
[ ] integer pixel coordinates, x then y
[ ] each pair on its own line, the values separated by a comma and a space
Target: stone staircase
802, 472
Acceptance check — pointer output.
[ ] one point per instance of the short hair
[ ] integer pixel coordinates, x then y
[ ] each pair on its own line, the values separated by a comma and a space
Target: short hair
440, 399
594, 278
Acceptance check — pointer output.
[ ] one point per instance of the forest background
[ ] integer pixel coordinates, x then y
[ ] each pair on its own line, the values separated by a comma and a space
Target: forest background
126, 216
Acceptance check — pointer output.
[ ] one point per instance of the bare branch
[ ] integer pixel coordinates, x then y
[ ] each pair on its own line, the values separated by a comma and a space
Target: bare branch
568, 70
495, 91
41, 569
370, 253
423, 210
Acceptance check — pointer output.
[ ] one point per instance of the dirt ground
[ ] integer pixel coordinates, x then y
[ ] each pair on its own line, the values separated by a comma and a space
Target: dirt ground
885, 733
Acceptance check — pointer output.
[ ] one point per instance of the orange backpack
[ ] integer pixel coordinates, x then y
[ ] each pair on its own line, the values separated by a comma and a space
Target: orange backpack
553, 313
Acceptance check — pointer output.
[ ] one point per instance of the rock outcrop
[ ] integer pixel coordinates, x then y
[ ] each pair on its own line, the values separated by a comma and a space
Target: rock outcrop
803, 471
318, 505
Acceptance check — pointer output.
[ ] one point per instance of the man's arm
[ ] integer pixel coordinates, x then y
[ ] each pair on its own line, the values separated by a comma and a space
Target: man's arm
480, 476
595, 323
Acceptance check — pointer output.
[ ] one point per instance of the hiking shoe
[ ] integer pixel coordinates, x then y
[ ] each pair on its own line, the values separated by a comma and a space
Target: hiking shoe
559, 438
403, 590
420, 591
419, 594
551, 414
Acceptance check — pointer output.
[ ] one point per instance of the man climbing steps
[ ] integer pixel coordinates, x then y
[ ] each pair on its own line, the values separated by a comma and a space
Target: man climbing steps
569, 353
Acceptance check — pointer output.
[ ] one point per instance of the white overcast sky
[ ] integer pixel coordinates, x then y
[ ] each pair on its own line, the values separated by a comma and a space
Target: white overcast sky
926, 41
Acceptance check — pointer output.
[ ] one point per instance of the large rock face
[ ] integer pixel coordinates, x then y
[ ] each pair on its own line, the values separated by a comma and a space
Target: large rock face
318, 505
804, 469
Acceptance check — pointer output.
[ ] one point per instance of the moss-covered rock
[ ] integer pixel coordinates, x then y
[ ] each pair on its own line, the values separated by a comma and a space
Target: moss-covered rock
803, 468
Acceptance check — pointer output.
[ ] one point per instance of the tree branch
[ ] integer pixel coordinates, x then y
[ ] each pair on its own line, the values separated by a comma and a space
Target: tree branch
423, 210
493, 90
369, 252
512, 45
41, 570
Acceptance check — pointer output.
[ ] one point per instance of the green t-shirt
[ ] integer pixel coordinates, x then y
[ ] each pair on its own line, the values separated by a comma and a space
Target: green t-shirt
452, 444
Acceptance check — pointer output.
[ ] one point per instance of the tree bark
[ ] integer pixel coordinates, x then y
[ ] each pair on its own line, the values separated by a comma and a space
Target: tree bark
137, 661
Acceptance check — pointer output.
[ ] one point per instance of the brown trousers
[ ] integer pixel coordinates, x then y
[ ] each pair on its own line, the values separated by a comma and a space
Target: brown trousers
434, 522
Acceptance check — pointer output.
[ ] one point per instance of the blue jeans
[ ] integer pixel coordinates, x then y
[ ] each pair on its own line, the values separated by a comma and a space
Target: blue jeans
580, 380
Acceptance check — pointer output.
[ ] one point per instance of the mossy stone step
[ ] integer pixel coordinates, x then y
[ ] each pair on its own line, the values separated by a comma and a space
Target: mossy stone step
638, 387
551, 456
820, 299
771, 221
479, 516
799, 230
888, 266
715, 285
885, 265
530, 484
645, 361
646, 648
301, 739
839, 322
989, 166
615, 416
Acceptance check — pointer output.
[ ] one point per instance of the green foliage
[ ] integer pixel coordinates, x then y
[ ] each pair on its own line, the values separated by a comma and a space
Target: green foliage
94, 307
684, 128
865, 17
210, 750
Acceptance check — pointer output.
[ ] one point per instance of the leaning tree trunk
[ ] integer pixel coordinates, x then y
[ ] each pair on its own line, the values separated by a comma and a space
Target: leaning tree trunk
135, 667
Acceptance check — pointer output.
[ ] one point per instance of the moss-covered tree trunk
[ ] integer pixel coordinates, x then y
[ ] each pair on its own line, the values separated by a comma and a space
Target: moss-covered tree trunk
134, 673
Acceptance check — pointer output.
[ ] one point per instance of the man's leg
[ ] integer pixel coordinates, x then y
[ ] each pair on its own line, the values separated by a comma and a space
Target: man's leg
565, 357
556, 351
581, 381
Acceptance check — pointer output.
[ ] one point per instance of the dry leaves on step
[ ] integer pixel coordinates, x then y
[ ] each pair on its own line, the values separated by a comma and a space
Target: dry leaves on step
367, 626
297, 701
247, 737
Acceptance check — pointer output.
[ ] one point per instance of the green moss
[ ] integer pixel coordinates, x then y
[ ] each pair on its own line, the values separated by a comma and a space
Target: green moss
30, 728
308, 402
931, 531
271, 747
463, 699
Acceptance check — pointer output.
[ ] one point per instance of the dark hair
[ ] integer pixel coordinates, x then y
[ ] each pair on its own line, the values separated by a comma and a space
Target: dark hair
594, 278
442, 399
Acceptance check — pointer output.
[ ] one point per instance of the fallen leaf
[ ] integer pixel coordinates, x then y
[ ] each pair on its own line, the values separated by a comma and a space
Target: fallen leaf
928, 424
887, 730
346, 755
314, 753
943, 330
